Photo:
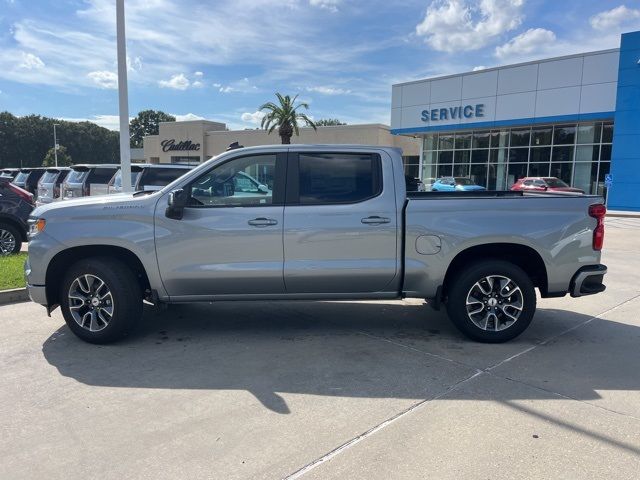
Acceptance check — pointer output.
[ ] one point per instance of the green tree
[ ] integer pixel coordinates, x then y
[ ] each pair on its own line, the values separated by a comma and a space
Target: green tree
285, 117
64, 159
147, 123
328, 122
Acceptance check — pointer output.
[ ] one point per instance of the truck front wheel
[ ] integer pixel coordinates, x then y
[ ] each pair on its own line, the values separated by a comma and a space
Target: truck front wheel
101, 299
491, 301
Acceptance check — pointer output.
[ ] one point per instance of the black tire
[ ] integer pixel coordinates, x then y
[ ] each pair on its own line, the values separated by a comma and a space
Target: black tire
125, 300
499, 326
9, 233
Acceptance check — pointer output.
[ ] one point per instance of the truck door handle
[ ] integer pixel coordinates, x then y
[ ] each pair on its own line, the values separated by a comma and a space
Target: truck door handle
262, 222
375, 220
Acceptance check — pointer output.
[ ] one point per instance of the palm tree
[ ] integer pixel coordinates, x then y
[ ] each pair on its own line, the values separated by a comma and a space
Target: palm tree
285, 117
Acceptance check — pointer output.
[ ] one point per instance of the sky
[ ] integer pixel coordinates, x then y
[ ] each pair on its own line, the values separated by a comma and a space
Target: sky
220, 60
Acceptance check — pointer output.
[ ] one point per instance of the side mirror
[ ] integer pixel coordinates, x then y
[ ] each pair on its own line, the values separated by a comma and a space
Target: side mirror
263, 189
176, 204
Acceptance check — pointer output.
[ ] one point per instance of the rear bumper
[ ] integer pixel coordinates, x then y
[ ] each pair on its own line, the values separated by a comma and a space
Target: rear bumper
588, 281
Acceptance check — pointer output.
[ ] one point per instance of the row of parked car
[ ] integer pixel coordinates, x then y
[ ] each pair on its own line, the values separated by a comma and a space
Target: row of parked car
22, 189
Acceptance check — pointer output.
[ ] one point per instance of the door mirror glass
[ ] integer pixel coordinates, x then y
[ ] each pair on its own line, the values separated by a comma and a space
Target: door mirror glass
176, 203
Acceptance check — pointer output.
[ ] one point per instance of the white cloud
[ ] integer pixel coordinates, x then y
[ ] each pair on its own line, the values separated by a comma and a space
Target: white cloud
198, 74
240, 86
616, 18
532, 41
328, 90
478, 68
177, 82
31, 62
217, 85
197, 84
134, 64
459, 25
254, 118
104, 79
331, 5
187, 117
112, 122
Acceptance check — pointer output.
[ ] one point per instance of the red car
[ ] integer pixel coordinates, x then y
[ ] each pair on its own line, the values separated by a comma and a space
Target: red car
544, 184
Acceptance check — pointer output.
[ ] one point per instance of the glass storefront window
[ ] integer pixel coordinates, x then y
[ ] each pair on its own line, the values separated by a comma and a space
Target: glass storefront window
589, 133
445, 170
481, 139
585, 176
540, 154
429, 171
462, 156
445, 157
539, 169
478, 175
431, 141
563, 171
497, 177
498, 155
587, 153
605, 168
564, 134
515, 172
605, 153
499, 138
411, 170
541, 136
463, 140
607, 133
445, 142
518, 155
562, 154
520, 137
479, 156
429, 157
461, 170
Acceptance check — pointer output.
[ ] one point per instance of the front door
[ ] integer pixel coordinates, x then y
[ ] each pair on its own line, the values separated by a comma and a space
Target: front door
229, 241
340, 232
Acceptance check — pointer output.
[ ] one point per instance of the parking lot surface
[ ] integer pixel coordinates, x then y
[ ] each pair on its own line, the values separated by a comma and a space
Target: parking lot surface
330, 390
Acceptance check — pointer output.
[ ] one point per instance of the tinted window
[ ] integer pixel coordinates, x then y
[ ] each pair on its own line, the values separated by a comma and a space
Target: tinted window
49, 177
77, 176
101, 175
463, 181
160, 177
235, 183
338, 177
21, 177
555, 182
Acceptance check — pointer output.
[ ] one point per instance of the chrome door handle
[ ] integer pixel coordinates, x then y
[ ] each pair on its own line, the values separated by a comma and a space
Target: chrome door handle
375, 220
262, 222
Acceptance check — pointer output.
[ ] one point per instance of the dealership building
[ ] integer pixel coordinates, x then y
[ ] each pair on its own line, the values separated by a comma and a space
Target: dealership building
575, 117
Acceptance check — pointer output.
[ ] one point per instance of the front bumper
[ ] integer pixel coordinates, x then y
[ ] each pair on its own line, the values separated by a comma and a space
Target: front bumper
588, 281
37, 294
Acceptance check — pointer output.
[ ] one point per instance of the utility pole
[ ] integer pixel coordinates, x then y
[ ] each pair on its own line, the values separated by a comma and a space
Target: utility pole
123, 98
55, 143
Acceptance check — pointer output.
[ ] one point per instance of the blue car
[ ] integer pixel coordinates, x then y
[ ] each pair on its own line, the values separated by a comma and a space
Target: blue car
455, 184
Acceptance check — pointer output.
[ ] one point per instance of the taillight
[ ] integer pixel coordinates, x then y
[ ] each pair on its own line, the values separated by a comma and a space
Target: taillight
598, 211
21, 192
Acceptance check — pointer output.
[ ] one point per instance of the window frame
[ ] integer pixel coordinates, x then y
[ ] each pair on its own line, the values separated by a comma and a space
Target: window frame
278, 192
292, 197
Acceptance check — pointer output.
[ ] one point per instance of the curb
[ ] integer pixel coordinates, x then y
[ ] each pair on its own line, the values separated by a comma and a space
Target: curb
623, 214
13, 296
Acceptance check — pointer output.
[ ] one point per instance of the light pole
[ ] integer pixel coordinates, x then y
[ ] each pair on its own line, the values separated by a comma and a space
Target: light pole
123, 99
55, 143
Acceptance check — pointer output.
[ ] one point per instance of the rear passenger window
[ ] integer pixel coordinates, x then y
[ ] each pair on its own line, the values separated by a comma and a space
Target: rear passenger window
338, 177
159, 177
101, 175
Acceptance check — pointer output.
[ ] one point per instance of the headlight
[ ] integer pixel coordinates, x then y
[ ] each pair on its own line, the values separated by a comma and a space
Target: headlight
36, 225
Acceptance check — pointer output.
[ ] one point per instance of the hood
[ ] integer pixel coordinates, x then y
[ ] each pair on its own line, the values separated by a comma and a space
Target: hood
100, 200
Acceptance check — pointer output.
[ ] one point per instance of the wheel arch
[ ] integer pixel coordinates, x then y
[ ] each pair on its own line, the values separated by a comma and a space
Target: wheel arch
61, 262
523, 256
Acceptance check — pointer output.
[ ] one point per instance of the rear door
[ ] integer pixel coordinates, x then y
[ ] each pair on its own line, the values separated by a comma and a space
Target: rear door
340, 223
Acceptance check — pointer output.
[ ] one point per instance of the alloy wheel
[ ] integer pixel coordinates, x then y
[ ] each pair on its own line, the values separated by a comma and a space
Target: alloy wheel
494, 303
7, 242
90, 302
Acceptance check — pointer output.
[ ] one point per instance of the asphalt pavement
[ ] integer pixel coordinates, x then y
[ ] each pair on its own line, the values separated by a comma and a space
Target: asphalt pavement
330, 390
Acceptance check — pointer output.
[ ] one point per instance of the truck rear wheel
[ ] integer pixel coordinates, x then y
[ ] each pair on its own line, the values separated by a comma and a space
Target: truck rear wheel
101, 299
491, 301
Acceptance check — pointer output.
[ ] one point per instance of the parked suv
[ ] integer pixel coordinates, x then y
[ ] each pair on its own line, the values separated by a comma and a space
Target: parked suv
148, 177
15, 206
85, 180
543, 184
9, 173
49, 184
27, 179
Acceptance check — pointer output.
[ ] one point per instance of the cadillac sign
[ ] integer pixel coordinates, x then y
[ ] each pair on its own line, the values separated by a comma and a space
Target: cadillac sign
184, 146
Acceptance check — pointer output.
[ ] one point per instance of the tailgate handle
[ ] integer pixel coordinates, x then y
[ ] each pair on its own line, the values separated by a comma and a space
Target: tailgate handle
375, 220
262, 222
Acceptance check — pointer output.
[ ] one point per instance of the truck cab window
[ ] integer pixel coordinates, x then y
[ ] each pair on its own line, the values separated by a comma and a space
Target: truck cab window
338, 178
240, 182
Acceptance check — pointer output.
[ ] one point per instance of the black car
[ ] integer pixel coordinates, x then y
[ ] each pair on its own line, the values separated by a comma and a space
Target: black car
27, 179
15, 206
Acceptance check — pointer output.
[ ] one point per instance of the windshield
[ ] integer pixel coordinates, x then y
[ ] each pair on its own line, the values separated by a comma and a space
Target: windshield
77, 176
555, 183
21, 177
463, 181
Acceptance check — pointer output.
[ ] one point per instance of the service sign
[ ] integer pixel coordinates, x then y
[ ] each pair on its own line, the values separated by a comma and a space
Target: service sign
435, 115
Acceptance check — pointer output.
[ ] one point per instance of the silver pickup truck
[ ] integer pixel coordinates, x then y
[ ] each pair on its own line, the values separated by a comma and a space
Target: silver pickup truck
312, 222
